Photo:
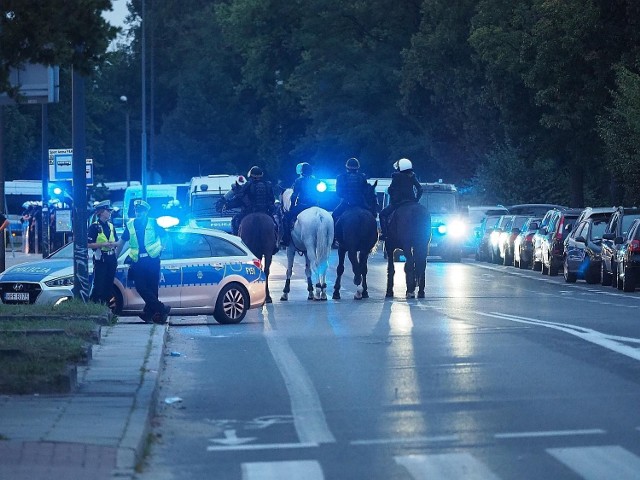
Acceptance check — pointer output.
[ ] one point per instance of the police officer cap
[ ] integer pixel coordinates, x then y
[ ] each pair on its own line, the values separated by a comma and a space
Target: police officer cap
142, 204
353, 164
105, 205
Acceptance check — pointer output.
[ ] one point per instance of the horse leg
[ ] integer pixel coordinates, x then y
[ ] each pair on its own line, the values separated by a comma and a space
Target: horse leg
357, 277
340, 271
364, 269
391, 271
291, 251
421, 271
410, 273
267, 267
307, 272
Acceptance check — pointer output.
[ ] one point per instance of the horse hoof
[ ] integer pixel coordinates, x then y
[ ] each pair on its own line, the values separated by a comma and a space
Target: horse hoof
365, 294
420, 294
310, 297
389, 295
357, 297
284, 298
336, 296
268, 300
411, 295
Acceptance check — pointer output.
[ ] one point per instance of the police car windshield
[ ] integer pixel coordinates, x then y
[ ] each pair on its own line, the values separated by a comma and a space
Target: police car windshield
206, 206
63, 252
439, 202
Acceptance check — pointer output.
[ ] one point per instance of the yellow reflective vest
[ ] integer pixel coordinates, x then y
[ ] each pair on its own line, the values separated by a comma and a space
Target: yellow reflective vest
102, 238
151, 240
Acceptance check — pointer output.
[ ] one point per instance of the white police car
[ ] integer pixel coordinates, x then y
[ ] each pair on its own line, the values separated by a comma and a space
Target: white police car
203, 271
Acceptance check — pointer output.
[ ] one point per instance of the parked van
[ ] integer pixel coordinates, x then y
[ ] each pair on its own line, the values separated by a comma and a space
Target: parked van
205, 193
165, 200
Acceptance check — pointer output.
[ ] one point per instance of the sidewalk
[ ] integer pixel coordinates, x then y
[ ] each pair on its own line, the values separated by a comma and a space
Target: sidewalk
99, 431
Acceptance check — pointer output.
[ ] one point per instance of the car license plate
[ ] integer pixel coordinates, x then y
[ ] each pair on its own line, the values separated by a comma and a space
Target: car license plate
20, 297
433, 244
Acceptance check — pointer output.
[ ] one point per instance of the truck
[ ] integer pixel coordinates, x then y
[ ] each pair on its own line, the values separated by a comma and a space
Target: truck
205, 193
448, 228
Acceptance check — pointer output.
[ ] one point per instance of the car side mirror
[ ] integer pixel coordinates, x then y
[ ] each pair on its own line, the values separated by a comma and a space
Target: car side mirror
580, 239
608, 236
618, 240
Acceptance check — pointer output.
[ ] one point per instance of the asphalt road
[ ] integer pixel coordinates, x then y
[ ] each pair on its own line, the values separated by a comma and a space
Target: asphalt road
497, 374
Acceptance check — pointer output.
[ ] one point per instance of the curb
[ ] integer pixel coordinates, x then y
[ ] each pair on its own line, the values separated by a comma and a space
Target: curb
131, 448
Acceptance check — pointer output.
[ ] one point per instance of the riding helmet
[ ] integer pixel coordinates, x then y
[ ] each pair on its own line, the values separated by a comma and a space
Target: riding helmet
403, 164
353, 164
255, 172
306, 169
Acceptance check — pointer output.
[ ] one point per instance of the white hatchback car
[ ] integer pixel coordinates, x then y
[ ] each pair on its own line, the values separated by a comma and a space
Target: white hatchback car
203, 271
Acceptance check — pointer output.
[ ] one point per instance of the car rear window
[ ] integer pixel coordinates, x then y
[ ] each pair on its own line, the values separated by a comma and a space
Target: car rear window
597, 229
223, 248
627, 220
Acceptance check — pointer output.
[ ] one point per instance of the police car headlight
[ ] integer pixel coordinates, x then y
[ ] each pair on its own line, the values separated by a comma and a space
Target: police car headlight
321, 187
457, 228
442, 229
60, 282
167, 221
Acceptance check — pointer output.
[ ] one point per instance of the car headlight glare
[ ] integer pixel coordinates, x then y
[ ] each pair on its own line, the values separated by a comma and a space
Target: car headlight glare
442, 229
167, 221
457, 228
60, 282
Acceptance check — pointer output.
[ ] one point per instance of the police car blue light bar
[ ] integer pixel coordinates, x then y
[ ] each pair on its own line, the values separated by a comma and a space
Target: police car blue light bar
321, 187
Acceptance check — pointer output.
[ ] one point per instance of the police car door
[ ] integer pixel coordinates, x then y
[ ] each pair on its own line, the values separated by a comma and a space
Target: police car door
200, 273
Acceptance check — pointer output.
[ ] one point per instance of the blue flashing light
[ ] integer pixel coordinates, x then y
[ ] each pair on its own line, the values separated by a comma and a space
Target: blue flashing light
57, 190
321, 187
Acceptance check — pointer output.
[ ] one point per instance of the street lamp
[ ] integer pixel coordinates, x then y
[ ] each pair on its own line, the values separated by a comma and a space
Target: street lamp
124, 100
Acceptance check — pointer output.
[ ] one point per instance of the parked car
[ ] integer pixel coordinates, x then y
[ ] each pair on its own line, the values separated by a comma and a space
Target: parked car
203, 271
533, 209
596, 212
536, 261
552, 246
618, 226
487, 225
508, 237
494, 237
629, 258
523, 244
582, 251
475, 216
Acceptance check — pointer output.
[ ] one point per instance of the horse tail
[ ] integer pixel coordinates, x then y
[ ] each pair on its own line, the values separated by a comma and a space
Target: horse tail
324, 239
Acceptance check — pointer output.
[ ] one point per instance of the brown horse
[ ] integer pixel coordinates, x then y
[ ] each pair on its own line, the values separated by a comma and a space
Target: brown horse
259, 233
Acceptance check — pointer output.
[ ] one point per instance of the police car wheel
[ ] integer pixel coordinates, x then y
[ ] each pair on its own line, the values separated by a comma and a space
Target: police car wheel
116, 302
232, 304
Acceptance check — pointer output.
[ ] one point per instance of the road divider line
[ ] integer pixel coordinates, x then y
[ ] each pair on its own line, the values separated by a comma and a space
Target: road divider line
259, 446
599, 463
447, 466
550, 433
610, 342
308, 417
306, 469
412, 440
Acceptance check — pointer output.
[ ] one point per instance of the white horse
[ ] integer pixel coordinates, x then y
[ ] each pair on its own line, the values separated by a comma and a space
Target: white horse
312, 235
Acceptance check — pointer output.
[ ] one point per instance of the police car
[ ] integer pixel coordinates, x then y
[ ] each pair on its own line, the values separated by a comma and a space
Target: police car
203, 271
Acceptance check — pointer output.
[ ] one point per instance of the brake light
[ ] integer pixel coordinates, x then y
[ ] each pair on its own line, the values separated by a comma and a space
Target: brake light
634, 246
257, 263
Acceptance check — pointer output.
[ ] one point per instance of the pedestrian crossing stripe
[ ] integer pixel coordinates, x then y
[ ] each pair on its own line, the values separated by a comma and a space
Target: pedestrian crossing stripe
604, 462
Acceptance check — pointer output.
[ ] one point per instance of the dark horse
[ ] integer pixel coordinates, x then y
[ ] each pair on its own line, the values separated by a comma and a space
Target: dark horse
357, 235
259, 232
410, 231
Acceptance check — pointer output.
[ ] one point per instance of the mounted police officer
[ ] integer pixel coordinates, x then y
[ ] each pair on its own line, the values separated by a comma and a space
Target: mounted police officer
256, 196
305, 195
103, 239
145, 239
351, 188
404, 188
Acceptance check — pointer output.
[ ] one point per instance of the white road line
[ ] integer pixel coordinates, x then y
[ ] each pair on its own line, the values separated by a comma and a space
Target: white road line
308, 416
599, 463
610, 342
448, 466
294, 470
259, 446
550, 433
384, 441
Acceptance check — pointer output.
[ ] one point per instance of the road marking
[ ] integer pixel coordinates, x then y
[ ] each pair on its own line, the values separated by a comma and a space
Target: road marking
306, 469
260, 446
550, 433
308, 417
448, 466
611, 342
383, 441
599, 463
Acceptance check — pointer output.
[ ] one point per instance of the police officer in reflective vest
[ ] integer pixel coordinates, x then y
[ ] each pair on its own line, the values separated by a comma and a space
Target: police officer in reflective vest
404, 188
257, 196
351, 188
305, 195
145, 242
103, 239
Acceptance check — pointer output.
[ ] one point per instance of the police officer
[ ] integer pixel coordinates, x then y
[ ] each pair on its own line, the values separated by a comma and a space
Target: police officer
351, 188
145, 238
305, 195
258, 197
404, 188
103, 239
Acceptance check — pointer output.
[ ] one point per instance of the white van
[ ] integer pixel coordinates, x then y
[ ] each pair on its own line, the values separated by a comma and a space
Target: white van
204, 194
